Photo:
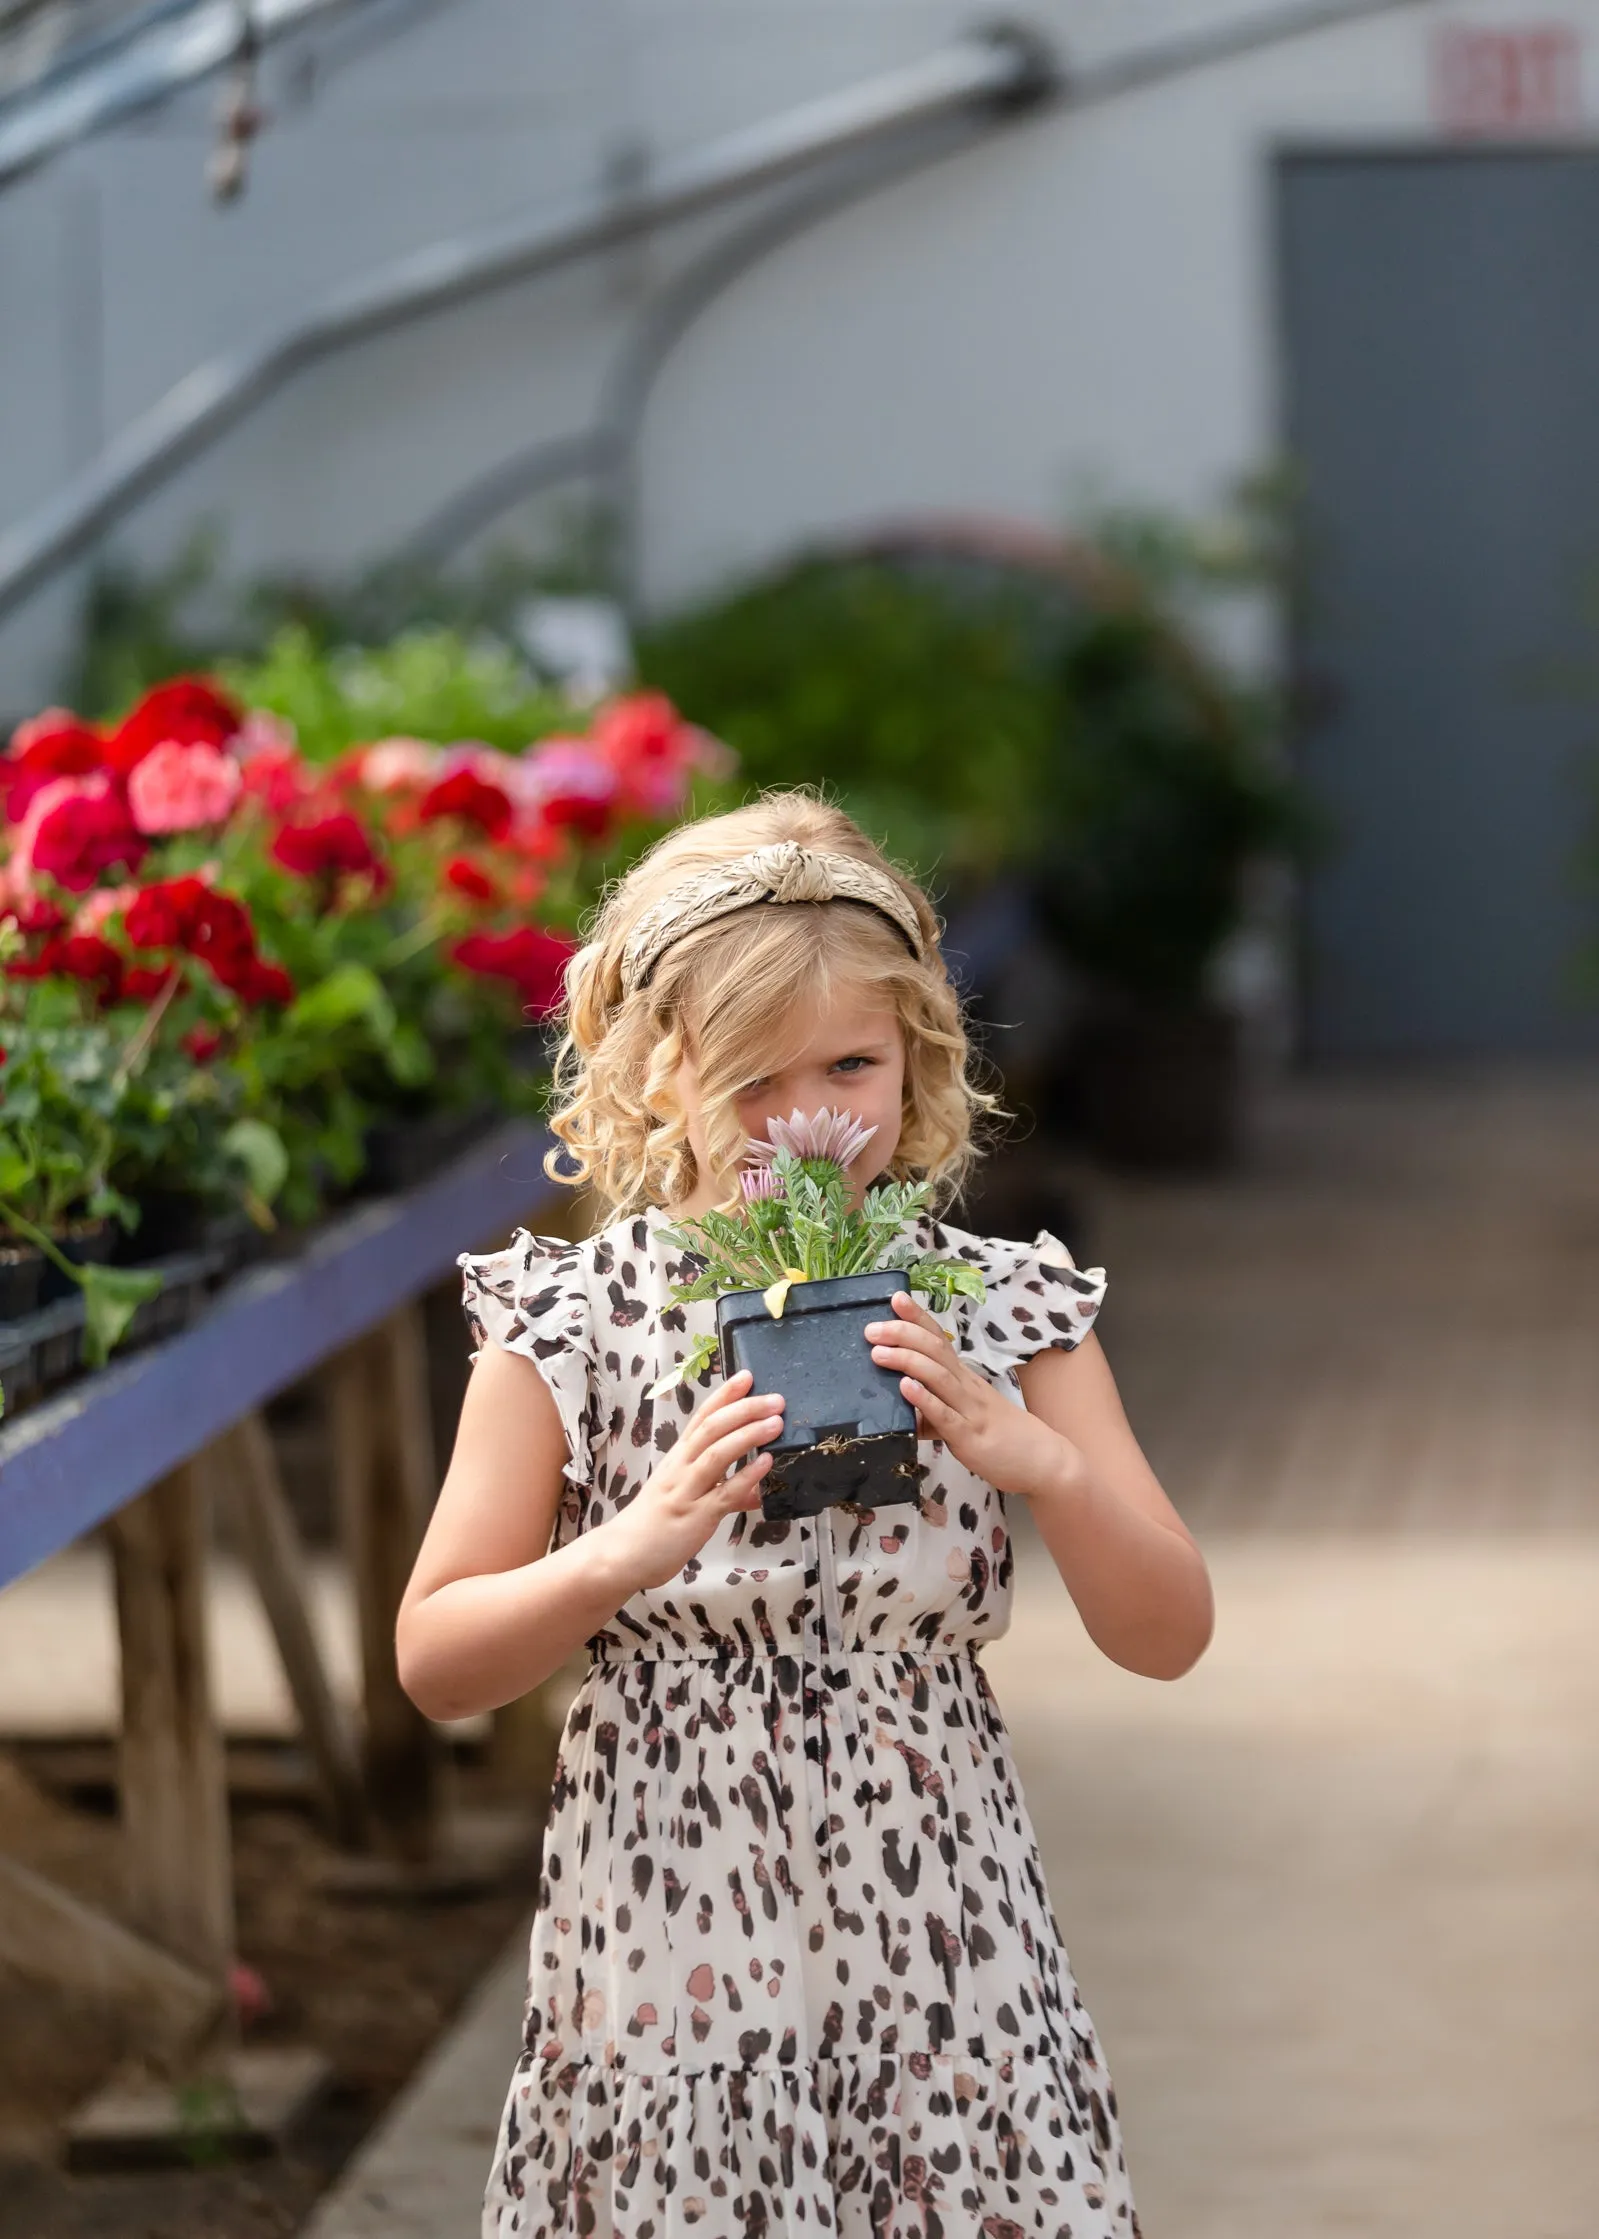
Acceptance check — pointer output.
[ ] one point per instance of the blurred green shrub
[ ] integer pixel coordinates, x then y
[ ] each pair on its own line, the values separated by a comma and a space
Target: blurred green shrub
428, 684
925, 710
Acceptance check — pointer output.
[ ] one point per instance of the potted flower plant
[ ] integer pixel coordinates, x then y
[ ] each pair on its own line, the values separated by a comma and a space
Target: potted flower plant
796, 1273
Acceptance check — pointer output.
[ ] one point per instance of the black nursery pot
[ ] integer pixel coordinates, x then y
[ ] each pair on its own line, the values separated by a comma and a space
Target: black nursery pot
849, 1434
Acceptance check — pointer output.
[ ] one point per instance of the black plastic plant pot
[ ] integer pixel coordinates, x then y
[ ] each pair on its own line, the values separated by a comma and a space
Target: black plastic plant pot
849, 1434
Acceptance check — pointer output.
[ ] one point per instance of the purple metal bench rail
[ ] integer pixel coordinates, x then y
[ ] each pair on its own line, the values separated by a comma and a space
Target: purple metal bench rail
68, 1464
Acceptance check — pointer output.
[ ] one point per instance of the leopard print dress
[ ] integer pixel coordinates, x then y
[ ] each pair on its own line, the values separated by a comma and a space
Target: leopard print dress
794, 1968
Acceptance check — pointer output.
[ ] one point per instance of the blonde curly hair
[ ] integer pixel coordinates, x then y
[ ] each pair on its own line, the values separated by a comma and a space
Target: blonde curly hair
734, 994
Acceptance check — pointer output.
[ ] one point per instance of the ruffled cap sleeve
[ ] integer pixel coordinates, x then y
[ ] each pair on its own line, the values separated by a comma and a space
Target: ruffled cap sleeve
531, 1298
1038, 1300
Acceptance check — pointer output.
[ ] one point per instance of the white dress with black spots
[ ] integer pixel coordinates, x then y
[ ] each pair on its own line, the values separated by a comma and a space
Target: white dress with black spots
794, 1969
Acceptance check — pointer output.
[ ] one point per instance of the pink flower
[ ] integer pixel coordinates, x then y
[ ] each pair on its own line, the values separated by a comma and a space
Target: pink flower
837, 1137
261, 733
106, 901
758, 1182
276, 777
484, 761
565, 782
394, 765
177, 788
654, 753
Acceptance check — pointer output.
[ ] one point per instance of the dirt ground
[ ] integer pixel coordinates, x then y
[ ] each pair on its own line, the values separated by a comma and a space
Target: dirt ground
369, 1984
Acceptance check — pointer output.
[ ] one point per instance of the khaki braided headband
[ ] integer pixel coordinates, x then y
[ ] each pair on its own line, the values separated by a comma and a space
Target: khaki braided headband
785, 872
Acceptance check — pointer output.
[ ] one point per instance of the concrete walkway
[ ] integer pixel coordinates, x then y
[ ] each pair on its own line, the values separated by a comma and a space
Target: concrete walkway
421, 2176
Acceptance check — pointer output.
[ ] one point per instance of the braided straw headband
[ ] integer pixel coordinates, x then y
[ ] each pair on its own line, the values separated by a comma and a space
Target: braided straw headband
785, 872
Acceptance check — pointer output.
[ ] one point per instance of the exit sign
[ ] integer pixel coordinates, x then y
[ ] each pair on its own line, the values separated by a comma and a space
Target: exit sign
1525, 79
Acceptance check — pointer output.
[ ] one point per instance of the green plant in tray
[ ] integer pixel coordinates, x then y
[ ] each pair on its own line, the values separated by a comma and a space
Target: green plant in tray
796, 1225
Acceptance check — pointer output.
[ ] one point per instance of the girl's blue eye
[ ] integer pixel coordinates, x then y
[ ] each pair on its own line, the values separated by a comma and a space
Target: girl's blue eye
852, 1061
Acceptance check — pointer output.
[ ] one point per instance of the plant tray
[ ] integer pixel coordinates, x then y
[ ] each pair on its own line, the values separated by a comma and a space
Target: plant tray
849, 1434
45, 1348
187, 1278
20, 1272
18, 1381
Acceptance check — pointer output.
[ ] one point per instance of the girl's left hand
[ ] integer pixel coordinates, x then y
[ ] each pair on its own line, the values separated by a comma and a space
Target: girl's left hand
989, 1434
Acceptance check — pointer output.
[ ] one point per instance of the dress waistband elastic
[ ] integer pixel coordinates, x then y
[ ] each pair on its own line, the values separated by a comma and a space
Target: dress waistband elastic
801, 1653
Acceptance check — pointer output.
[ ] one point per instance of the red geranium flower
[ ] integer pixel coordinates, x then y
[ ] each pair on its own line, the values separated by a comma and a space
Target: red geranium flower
32, 913
142, 983
222, 937
533, 960
160, 915
77, 956
189, 709
202, 1043
471, 798
470, 879
81, 839
570, 786
52, 745
277, 778
331, 846
264, 983
85, 956
214, 928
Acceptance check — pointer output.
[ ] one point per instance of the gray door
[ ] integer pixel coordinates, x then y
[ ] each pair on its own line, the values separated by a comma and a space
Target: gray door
1441, 322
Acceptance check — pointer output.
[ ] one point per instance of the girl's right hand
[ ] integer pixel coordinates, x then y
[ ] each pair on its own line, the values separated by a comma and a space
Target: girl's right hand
676, 1510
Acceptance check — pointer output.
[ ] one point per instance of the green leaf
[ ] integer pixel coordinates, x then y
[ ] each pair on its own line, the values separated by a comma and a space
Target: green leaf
944, 1279
349, 992
411, 1059
260, 1150
16, 1171
111, 1296
693, 1364
703, 1287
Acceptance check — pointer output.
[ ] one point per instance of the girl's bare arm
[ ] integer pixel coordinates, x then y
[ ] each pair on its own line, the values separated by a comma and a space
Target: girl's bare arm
1128, 1560
489, 1612
1125, 1554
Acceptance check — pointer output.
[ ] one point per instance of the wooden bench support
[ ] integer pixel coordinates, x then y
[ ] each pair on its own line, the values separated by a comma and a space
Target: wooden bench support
384, 1480
246, 1469
173, 1779
50, 1937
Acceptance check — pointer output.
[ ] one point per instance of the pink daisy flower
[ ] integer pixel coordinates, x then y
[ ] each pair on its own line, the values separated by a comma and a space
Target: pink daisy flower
837, 1136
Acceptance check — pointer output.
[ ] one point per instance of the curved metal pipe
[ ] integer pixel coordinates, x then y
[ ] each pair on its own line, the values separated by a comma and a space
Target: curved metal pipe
610, 448
607, 450
999, 69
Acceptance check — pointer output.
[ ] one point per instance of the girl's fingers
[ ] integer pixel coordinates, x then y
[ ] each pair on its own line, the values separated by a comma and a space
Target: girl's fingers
939, 1419
938, 1372
744, 1489
712, 1465
715, 1421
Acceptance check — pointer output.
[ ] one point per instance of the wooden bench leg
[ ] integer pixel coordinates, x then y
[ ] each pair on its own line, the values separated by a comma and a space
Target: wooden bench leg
173, 1776
246, 1465
53, 1938
384, 1477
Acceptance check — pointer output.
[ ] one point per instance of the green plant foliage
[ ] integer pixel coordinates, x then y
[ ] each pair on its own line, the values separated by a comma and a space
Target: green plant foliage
924, 712
429, 684
1166, 786
806, 1233
139, 626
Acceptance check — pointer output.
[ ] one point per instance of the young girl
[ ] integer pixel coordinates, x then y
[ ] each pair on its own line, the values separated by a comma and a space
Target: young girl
794, 1968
